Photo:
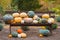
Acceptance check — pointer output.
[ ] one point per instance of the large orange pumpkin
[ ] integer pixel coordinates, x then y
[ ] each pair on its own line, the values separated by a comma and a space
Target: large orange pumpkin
18, 19
45, 16
15, 14
19, 31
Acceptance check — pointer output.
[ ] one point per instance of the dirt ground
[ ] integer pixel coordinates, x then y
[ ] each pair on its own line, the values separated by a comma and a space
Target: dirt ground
32, 34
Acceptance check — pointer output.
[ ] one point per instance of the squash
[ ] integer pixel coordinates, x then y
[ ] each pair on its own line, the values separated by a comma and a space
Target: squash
51, 20
44, 32
35, 17
18, 19
28, 20
10, 36
1, 27
45, 16
19, 31
22, 22
14, 34
31, 14
19, 35
15, 15
35, 21
40, 35
23, 35
43, 27
23, 15
7, 17
43, 21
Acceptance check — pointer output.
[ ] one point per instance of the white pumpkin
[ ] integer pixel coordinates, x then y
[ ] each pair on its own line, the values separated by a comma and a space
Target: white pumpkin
35, 21
23, 35
45, 16
15, 14
28, 20
22, 21
19, 35
23, 15
51, 20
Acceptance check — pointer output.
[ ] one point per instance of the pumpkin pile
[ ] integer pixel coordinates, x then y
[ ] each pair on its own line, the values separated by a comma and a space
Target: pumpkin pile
29, 17
19, 33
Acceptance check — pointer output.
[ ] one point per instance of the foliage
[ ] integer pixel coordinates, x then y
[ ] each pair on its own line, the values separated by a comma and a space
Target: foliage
58, 19
26, 5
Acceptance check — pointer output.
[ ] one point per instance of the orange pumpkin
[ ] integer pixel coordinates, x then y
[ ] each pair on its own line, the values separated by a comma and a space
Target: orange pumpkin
19, 31
17, 19
15, 14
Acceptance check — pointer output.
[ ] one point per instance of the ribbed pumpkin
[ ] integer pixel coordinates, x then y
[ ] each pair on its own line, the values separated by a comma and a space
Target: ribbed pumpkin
23, 15
23, 35
19, 31
31, 14
7, 17
43, 20
28, 20
18, 19
35, 17
45, 16
51, 20
14, 34
1, 27
15, 15
44, 32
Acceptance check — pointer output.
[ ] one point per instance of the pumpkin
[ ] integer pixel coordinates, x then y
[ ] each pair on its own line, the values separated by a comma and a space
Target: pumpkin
15, 15
31, 14
40, 35
35, 17
23, 35
54, 26
10, 36
23, 15
44, 32
18, 19
43, 20
58, 19
25, 28
51, 20
14, 34
28, 20
35, 21
19, 35
1, 27
19, 31
7, 17
43, 27
45, 16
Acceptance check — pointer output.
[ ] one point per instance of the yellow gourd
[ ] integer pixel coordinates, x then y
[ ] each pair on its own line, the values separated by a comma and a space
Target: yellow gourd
10, 36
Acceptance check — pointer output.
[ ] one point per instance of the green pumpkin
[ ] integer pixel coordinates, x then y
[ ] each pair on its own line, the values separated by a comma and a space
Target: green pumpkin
25, 28
58, 19
1, 27
54, 26
14, 34
44, 32
43, 20
31, 14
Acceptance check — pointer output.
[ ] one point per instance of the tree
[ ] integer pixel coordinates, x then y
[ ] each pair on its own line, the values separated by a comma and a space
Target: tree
26, 5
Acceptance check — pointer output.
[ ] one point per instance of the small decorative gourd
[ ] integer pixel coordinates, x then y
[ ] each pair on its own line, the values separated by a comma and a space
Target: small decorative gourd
35, 17
1, 27
35, 21
23, 35
19, 35
22, 22
15, 14
45, 16
10, 36
23, 15
19, 31
31, 14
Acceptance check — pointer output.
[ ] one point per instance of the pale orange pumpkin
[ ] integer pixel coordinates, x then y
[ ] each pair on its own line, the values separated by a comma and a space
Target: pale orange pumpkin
23, 35
15, 14
17, 19
45, 16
